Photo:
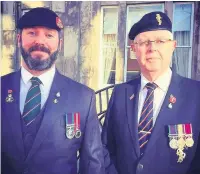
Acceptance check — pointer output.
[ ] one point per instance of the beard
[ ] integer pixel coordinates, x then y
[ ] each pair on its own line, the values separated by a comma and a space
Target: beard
36, 63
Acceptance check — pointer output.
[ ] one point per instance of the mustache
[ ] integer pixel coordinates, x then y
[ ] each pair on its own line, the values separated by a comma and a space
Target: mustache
39, 48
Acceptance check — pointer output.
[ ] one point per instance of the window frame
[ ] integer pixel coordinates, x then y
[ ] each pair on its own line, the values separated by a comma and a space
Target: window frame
101, 58
189, 74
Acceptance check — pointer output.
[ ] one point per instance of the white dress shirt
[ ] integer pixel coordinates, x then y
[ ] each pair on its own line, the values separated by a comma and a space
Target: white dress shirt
25, 84
159, 93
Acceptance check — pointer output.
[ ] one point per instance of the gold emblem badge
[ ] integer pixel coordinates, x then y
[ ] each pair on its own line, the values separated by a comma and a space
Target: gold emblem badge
158, 18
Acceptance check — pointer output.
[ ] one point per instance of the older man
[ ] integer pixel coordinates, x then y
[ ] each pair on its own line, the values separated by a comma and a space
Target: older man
152, 124
47, 118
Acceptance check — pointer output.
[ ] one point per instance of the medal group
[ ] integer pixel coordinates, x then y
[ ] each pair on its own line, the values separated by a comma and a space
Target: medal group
180, 138
73, 125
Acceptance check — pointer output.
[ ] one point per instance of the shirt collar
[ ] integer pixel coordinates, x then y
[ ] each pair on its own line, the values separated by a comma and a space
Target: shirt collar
46, 78
162, 81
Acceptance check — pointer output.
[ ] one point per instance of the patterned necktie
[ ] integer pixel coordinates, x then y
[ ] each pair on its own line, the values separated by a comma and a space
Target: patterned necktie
146, 119
32, 104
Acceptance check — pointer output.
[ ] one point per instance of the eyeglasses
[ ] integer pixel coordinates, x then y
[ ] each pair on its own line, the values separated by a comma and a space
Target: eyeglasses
158, 42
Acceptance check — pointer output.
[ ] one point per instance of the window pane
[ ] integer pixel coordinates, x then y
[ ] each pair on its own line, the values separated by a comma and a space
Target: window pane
180, 61
110, 21
109, 39
182, 24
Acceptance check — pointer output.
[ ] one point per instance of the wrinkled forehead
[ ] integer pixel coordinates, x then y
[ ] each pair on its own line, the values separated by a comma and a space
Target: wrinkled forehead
153, 35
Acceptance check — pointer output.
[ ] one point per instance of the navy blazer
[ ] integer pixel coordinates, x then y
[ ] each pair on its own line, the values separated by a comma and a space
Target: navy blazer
52, 152
120, 130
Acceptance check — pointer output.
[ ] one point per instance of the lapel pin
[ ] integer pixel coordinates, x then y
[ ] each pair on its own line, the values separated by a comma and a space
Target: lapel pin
55, 100
132, 96
172, 100
9, 98
170, 106
58, 94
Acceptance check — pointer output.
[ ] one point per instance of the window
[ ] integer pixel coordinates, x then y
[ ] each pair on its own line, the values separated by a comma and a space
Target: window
108, 45
134, 14
182, 30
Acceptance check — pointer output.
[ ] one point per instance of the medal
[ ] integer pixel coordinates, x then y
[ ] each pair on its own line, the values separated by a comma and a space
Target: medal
181, 143
70, 132
188, 133
77, 125
78, 134
173, 134
181, 136
70, 127
173, 144
189, 142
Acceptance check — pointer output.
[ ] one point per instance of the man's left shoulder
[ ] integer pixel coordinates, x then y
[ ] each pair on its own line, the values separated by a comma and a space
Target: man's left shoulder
191, 84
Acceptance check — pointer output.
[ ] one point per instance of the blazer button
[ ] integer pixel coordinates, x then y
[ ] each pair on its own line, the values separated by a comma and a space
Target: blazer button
140, 167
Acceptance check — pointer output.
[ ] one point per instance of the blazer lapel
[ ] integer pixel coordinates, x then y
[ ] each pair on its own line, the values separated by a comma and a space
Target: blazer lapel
165, 113
51, 113
132, 98
14, 115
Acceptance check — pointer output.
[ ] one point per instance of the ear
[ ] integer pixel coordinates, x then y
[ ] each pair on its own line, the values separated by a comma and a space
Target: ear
60, 44
18, 40
133, 48
174, 45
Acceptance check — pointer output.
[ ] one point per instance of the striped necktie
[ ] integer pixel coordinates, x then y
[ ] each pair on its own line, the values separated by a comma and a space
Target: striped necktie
32, 104
146, 119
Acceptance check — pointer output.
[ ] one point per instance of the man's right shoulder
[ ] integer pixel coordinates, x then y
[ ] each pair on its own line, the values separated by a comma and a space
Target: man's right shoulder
130, 83
8, 77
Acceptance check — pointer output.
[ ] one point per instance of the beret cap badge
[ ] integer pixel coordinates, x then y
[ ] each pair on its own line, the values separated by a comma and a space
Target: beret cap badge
59, 23
158, 18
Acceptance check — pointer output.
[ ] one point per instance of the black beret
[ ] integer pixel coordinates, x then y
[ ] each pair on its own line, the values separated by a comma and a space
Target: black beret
150, 22
40, 17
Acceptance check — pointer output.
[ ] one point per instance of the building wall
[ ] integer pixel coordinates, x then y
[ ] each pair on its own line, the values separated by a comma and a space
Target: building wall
8, 37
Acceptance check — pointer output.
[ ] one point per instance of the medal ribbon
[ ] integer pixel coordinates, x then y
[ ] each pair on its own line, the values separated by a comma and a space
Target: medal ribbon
77, 120
188, 128
172, 129
180, 130
69, 119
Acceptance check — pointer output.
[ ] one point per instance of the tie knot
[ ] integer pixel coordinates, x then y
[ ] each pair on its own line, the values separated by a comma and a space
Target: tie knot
151, 86
35, 81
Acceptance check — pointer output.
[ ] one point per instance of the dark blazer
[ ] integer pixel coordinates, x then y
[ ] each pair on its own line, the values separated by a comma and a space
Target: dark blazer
120, 130
52, 152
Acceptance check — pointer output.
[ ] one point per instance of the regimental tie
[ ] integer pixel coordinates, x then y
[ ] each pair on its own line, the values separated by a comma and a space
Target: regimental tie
146, 119
32, 104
